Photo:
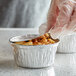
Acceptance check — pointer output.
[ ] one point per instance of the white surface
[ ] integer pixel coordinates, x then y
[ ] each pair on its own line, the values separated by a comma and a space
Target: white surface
33, 56
65, 64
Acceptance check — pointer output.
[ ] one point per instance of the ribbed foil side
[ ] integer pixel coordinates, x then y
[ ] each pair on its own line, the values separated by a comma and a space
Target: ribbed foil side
67, 44
35, 56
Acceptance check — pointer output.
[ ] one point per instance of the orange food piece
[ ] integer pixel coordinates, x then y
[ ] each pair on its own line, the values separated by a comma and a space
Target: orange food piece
28, 43
51, 41
47, 35
42, 40
37, 43
21, 42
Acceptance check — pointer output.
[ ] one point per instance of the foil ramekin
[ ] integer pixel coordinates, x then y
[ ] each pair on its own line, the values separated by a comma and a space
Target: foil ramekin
67, 44
35, 56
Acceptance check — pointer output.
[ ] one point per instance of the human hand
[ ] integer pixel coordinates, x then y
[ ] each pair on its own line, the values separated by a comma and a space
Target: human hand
61, 18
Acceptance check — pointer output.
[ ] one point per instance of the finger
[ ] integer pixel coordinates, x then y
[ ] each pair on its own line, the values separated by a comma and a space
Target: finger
42, 28
52, 14
72, 23
65, 11
63, 18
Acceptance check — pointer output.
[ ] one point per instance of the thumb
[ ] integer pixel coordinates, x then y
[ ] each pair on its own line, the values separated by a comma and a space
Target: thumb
42, 28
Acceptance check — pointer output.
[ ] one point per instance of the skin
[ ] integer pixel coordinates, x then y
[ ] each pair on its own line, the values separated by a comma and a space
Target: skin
61, 16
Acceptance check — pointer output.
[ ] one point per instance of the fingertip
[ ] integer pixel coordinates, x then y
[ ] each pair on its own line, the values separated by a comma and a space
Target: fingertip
42, 28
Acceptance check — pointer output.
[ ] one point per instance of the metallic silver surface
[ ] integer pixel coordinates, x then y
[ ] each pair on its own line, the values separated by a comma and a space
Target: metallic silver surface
67, 44
37, 56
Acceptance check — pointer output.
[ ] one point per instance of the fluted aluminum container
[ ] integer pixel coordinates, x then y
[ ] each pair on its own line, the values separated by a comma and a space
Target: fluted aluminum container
37, 56
67, 44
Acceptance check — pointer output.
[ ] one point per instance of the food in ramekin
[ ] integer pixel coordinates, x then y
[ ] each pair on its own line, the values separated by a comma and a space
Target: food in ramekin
42, 40
37, 56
